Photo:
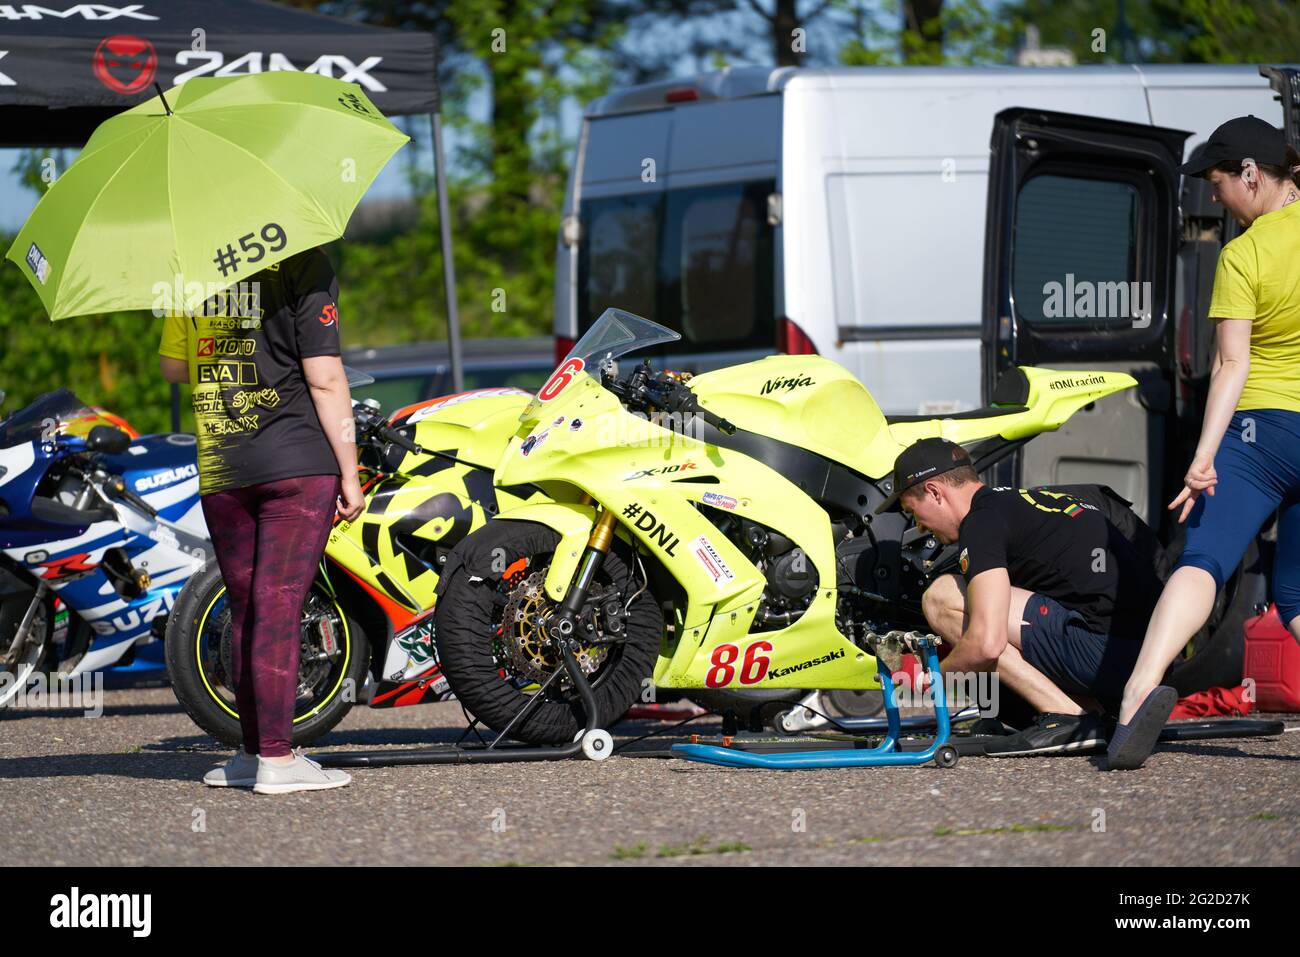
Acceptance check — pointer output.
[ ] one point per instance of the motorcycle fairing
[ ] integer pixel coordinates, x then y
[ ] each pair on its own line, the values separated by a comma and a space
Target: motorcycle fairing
431, 500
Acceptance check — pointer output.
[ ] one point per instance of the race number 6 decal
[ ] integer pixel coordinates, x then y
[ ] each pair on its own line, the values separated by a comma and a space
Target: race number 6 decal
561, 378
753, 668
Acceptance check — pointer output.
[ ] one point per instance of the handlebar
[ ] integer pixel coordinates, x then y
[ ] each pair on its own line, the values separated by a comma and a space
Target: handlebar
371, 420
671, 394
116, 485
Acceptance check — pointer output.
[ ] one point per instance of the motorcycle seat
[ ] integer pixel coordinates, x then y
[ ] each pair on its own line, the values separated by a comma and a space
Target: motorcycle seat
988, 412
1010, 395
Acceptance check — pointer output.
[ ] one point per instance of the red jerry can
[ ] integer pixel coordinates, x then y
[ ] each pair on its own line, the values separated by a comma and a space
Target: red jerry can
1273, 661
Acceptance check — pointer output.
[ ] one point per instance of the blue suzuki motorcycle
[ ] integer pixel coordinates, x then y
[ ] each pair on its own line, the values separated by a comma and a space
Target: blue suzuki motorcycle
97, 526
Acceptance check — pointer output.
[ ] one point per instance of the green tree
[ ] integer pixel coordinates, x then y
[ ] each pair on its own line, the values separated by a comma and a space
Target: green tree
952, 33
1167, 31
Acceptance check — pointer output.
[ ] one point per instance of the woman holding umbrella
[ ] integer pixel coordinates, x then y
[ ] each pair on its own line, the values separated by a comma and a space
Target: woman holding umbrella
230, 185
276, 462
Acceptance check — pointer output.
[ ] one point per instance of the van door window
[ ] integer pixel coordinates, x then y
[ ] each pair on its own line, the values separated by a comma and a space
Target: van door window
1075, 255
699, 261
621, 236
717, 267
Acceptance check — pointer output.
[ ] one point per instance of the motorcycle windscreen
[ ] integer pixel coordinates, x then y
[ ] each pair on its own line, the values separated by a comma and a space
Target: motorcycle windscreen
48, 414
614, 334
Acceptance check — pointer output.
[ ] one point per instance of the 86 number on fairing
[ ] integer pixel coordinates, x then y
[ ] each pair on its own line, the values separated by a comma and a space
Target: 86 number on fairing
753, 668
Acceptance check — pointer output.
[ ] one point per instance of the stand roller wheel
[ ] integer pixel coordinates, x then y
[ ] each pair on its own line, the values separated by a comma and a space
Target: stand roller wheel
597, 745
779, 719
946, 757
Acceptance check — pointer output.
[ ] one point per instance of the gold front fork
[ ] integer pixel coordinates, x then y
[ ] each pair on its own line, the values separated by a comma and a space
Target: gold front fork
602, 534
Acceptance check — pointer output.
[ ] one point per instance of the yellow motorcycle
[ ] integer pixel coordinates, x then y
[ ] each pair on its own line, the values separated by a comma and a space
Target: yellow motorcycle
716, 532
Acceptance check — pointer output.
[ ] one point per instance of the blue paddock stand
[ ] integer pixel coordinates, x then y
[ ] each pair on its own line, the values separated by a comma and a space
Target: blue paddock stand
887, 754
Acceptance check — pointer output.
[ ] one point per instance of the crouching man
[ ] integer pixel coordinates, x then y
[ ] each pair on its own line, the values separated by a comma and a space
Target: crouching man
1051, 595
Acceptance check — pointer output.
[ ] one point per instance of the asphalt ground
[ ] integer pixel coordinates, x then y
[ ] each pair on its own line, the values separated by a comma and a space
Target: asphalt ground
124, 789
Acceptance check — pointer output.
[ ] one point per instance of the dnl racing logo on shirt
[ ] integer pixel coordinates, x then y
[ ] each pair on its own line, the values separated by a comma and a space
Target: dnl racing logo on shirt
1064, 504
240, 302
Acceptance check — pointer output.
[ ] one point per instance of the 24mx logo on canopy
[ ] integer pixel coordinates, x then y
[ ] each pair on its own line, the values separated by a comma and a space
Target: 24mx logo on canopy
327, 64
87, 11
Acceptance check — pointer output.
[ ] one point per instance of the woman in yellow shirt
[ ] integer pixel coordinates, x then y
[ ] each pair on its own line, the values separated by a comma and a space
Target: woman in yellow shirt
1247, 462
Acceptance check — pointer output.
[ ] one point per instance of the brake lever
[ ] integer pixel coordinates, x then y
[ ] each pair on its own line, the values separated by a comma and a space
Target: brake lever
684, 400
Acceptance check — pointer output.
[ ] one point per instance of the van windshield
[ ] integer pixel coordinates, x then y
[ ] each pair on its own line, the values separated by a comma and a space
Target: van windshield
698, 261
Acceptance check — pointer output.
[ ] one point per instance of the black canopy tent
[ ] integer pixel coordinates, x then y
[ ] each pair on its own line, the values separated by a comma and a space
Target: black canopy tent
66, 67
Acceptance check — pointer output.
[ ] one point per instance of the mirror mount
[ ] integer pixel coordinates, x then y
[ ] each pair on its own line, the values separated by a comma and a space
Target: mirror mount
106, 438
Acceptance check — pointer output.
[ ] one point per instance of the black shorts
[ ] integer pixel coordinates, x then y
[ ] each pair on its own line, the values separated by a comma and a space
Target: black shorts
1058, 643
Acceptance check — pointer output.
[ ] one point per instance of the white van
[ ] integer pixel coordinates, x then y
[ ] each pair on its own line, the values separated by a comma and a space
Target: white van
931, 229
847, 212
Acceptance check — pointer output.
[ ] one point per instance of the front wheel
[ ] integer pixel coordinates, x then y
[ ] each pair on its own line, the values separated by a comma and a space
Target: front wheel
490, 603
22, 656
333, 660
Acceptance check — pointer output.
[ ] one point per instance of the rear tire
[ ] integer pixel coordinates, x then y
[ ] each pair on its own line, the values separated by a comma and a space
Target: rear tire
469, 614
202, 684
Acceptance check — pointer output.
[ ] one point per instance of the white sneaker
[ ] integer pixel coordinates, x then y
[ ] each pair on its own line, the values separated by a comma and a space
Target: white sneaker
239, 772
302, 774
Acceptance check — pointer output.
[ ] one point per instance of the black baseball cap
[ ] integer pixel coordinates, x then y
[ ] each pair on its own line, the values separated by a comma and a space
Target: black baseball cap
1239, 139
922, 460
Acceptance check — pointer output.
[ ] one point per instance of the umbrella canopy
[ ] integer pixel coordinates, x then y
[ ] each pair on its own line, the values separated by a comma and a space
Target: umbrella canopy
200, 188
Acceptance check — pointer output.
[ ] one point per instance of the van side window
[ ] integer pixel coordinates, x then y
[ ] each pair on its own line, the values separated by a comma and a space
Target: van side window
698, 260
1075, 252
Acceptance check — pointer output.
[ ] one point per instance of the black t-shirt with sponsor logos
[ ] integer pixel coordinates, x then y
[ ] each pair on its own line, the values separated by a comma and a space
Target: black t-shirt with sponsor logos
1054, 544
253, 410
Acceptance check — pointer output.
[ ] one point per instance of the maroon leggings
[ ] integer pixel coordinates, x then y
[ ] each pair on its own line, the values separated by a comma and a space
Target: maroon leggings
269, 539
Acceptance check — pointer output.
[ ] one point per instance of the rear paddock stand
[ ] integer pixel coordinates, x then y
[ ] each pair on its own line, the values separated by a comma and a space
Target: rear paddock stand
890, 645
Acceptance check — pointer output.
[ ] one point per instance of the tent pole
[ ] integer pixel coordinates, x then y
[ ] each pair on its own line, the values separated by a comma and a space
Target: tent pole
448, 265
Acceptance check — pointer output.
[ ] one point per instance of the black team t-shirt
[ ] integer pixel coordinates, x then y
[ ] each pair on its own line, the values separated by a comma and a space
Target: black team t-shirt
1054, 544
253, 410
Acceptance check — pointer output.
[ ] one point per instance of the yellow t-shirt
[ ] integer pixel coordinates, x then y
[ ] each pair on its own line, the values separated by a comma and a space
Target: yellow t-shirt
1258, 278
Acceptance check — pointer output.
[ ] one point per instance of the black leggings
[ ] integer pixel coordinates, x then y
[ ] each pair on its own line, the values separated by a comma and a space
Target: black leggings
269, 539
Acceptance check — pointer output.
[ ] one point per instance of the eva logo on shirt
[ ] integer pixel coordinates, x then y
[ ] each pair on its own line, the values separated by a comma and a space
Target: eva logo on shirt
329, 315
964, 561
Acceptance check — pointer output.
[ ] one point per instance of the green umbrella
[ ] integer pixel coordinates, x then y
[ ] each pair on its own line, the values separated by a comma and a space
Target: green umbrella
201, 187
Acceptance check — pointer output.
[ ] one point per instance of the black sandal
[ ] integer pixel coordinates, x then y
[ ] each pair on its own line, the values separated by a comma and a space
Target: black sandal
1132, 743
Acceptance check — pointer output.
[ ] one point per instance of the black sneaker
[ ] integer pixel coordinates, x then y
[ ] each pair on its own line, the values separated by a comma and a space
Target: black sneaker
1052, 734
